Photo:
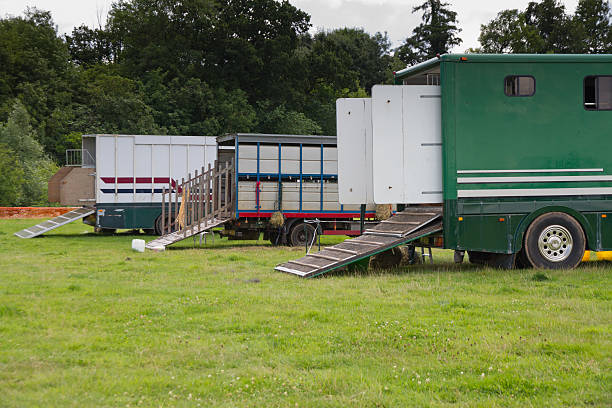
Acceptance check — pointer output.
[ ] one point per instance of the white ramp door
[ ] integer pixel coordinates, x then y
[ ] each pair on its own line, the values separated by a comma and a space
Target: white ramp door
407, 144
354, 123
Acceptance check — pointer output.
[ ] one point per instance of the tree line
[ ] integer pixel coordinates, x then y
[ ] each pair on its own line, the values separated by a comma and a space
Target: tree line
207, 67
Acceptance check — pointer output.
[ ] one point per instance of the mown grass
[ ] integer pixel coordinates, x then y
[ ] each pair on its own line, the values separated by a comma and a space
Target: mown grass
84, 321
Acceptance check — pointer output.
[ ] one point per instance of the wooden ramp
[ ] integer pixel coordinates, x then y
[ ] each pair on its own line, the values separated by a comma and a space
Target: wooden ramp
177, 236
196, 205
404, 227
55, 222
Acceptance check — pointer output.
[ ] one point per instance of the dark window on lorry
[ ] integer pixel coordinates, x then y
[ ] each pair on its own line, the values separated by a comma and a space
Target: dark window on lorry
598, 93
519, 85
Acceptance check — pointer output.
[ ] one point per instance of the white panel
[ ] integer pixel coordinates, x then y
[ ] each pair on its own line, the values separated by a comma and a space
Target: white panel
192, 140
290, 153
179, 161
125, 168
247, 165
210, 141
268, 152
142, 168
247, 151
105, 167
330, 167
311, 153
161, 167
211, 155
195, 156
387, 144
268, 166
422, 144
311, 167
330, 153
290, 166
407, 144
354, 122
150, 158
151, 139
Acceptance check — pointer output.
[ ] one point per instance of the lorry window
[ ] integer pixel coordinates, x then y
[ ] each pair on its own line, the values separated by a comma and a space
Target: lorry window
519, 85
598, 92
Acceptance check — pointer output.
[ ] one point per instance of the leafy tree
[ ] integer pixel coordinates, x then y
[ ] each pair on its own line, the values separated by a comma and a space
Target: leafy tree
509, 33
37, 168
89, 46
280, 120
35, 69
437, 33
548, 18
350, 58
12, 177
545, 27
593, 27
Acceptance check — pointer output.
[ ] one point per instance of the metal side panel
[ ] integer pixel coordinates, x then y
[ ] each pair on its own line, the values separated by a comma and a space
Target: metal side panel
422, 144
354, 120
54, 223
387, 144
409, 225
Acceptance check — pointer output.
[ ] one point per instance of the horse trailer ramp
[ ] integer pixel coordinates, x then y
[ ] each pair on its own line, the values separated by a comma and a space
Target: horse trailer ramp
404, 227
54, 223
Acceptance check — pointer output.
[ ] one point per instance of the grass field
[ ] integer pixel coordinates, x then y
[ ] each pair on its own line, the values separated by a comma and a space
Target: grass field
84, 321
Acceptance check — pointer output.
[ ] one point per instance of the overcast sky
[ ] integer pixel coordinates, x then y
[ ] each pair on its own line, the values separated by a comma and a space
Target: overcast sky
392, 16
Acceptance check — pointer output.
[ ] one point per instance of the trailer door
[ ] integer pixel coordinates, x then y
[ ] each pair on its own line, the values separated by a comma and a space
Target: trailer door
407, 144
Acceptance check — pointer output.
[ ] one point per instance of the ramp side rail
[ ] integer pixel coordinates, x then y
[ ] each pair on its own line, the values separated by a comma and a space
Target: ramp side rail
199, 201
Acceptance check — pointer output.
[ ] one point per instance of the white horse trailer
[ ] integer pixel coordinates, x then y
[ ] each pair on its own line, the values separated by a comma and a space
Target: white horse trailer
120, 178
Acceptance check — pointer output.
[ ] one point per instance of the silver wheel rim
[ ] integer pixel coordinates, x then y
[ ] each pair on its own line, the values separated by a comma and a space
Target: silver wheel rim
555, 243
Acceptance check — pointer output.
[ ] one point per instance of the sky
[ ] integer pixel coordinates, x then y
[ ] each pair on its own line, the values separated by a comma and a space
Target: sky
393, 16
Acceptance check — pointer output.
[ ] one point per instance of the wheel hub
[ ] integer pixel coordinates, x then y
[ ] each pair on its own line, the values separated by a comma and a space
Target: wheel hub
555, 243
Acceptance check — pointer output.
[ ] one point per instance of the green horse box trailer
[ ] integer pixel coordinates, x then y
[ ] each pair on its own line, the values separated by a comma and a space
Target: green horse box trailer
510, 154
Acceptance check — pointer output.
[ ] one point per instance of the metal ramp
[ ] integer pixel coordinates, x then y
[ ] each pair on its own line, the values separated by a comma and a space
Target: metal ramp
409, 225
177, 236
54, 223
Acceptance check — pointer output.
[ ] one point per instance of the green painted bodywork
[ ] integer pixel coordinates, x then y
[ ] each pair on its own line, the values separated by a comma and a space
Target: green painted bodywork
127, 215
483, 129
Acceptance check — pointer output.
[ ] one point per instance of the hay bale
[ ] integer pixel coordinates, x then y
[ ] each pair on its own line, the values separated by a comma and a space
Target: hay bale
383, 211
277, 219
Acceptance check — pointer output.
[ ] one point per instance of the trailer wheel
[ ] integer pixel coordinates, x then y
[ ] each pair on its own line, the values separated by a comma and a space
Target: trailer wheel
158, 226
554, 241
301, 233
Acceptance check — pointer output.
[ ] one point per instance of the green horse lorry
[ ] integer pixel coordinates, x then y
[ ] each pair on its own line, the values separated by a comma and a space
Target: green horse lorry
514, 152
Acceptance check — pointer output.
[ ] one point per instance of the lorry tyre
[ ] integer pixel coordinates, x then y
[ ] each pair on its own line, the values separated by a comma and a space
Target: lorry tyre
301, 233
158, 226
554, 241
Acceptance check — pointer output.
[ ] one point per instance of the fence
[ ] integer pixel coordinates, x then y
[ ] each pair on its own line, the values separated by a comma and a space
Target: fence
200, 201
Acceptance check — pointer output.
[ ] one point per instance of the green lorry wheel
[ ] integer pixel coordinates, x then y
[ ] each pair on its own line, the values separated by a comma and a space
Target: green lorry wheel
554, 241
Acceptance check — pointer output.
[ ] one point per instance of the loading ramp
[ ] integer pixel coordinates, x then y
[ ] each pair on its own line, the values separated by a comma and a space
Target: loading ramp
55, 222
196, 205
174, 237
404, 227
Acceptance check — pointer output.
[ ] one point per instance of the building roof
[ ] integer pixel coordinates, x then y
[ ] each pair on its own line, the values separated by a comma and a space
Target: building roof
467, 58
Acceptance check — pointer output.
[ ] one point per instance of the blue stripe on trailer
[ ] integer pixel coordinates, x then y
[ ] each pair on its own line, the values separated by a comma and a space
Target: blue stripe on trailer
296, 175
321, 182
257, 199
280, 186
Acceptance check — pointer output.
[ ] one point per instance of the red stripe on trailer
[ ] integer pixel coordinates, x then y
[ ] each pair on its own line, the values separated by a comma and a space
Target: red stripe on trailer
341, 232
306, 215
143, 180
